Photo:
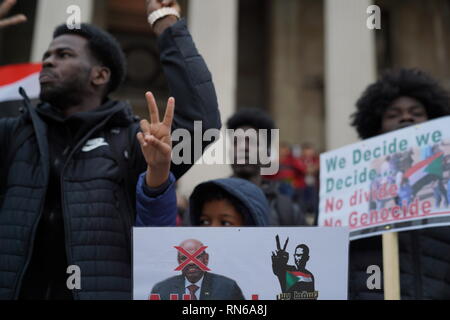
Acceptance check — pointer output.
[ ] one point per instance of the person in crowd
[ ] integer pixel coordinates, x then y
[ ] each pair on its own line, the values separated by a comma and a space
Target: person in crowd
310, 192
400, 99
291, 174
230, 202
70, 166
283, 210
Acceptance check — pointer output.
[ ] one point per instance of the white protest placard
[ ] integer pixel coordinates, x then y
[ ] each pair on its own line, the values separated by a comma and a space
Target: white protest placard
394, 182
240, 263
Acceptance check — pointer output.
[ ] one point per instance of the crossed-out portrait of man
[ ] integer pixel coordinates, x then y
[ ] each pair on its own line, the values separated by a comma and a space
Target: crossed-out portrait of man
195, 279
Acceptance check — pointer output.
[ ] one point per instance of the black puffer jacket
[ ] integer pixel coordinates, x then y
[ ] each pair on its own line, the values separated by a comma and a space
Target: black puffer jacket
424, 265
97, 197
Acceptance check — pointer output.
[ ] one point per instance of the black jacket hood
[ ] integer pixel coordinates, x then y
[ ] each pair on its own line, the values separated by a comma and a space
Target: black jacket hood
120, 115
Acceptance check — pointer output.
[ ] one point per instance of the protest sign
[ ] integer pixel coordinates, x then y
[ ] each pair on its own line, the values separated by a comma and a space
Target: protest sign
240, 263
394, 182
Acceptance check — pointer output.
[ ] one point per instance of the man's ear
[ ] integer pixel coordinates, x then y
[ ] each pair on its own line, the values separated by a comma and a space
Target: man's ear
100, 76
206, 259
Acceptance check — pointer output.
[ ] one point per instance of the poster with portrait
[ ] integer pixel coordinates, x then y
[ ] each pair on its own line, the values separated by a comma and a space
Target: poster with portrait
240, 263
394, 182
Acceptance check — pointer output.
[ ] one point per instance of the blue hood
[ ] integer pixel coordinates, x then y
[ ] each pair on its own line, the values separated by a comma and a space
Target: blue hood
250, 195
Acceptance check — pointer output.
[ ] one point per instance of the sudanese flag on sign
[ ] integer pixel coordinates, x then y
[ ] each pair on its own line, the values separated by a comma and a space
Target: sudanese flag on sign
292, 277
12, 77
425, 171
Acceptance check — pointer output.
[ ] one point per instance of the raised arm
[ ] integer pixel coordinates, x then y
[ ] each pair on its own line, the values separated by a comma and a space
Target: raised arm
188, 77
156, 202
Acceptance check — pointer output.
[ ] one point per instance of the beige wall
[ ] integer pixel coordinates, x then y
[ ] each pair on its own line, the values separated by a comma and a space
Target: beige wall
419, 35
350, 66
215, 36
51, 13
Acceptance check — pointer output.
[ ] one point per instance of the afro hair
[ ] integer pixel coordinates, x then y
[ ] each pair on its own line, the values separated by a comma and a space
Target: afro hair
252, 117
104, 47
411, 83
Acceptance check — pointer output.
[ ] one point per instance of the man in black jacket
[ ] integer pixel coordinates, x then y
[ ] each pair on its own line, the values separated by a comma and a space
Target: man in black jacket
69, 167
400, 99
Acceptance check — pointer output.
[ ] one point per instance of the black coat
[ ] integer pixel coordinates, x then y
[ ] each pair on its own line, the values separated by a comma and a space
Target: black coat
96, 198
424, 265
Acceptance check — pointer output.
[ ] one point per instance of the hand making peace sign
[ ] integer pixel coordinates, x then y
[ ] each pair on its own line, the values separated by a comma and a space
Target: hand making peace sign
156, 142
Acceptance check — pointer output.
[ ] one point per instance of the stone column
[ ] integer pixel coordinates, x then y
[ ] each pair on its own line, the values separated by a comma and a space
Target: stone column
51, 13
350, 65
213, 25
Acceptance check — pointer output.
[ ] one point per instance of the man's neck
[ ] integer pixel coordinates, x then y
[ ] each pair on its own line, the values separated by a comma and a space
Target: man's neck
198, 282
88, 104
256, 180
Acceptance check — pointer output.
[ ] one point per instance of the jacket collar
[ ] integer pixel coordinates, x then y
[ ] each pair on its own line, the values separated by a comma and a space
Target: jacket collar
41, 133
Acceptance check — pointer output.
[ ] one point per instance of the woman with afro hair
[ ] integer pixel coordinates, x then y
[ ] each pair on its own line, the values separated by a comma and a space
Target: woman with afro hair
399, 99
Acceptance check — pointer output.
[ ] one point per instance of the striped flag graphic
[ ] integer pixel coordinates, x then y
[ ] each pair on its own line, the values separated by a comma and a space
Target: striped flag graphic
292, 277
425, 171
12, 77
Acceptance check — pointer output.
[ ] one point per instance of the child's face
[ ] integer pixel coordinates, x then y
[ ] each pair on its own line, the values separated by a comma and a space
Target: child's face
220, 213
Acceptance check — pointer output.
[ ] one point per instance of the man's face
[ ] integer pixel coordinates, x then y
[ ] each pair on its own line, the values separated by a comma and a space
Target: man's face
220, 213
243, 148
66, 71
300, 258
285, 151
308, 152
191, 271
403, 112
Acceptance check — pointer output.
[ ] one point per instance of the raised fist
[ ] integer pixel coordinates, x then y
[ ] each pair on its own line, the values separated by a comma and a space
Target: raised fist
153, 5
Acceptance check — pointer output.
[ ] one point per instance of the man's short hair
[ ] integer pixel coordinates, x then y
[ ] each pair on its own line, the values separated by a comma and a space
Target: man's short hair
305, 249
411, 83
104, 47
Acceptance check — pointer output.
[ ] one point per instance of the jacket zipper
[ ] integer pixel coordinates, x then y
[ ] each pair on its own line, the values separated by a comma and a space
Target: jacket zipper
67, 230
36, 224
